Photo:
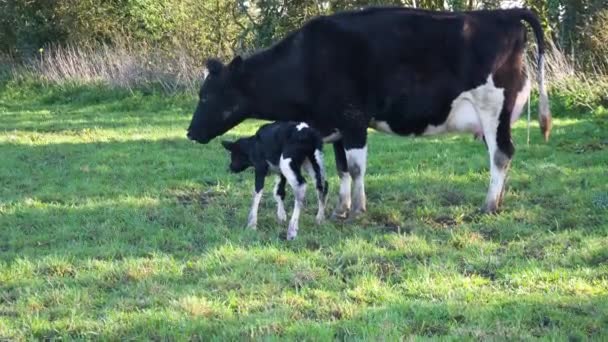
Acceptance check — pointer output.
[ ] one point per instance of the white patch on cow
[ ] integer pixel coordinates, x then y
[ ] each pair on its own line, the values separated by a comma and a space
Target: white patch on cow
344, 199
542, 90
301, 126
381, 126
541, 74
467, 109
205, 73
489, 102
356, 159
335, 136
299, 194
520, 101
281, 214
252, 220
286, 171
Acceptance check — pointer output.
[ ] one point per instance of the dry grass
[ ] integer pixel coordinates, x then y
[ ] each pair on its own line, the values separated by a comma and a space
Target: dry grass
131, 65
584, 85
123, 65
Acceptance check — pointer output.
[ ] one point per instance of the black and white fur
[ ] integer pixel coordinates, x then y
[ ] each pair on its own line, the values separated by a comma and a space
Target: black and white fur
283, 148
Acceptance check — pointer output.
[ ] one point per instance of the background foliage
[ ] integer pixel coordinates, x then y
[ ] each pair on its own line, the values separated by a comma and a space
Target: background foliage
223, 27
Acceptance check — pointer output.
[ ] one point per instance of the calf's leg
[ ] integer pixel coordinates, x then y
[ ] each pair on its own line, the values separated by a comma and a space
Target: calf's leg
252, 220
315, 168
291, 170
279, 196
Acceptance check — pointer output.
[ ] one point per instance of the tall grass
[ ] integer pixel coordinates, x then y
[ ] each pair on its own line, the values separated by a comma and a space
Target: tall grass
136, 65
124, 65
579, 85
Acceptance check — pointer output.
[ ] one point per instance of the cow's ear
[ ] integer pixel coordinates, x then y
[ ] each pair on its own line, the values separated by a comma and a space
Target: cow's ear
213, 66
227, 145
236, 64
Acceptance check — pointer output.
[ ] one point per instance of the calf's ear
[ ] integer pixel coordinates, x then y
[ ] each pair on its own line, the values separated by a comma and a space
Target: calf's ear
213, 66
227, 145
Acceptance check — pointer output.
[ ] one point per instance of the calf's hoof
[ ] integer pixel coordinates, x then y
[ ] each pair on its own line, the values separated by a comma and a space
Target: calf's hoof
320, 218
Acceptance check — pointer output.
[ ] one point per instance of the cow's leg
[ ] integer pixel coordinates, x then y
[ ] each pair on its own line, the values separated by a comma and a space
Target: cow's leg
252, 220
279, 196
495, 116
315, 168
356, 157
291, 170
343, 207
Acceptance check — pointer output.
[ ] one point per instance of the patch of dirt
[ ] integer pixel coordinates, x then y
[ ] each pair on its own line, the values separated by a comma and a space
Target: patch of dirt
489, 233
452, 198
391, 228
534, 252
190, 197
386, 222
313, 245
444, 220
487, 271
473, 216
579, 148
385, 269
336, 314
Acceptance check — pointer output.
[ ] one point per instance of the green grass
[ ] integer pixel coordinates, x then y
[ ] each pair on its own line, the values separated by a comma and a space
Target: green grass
114, 226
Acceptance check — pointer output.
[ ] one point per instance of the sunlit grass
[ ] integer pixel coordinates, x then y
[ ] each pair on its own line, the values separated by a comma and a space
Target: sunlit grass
114, 226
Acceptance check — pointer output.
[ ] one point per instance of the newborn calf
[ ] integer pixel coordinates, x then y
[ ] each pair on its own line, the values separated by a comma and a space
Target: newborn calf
284, 148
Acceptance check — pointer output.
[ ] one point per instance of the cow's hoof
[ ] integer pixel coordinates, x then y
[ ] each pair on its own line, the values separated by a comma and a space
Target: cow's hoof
341, 214
291, 235
490, 208
320, 219
354, 215
358, 211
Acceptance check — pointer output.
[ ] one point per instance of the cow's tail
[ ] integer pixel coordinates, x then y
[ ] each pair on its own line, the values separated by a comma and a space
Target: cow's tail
544, 117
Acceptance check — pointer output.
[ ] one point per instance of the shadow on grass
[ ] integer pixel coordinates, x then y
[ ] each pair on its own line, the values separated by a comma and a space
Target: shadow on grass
522, 318
115, 191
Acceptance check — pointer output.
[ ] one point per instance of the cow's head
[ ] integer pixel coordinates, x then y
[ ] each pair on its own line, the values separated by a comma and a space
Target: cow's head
221, 102
239, 158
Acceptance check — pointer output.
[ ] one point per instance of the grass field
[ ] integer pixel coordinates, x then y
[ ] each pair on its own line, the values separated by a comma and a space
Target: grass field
114, 226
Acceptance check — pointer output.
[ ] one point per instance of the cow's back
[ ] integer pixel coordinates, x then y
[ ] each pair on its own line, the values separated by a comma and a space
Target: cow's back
410, 63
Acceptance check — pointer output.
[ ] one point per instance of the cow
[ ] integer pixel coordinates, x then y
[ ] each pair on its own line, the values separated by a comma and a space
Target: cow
396, 70
284, 148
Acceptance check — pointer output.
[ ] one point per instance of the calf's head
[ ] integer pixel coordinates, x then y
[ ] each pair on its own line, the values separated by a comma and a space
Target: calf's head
221, 104
239, 158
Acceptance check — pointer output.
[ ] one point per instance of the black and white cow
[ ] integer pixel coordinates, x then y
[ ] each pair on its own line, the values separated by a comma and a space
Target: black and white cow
284, 148
397, 70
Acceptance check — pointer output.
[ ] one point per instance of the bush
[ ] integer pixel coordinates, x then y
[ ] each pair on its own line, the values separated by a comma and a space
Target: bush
204, 28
